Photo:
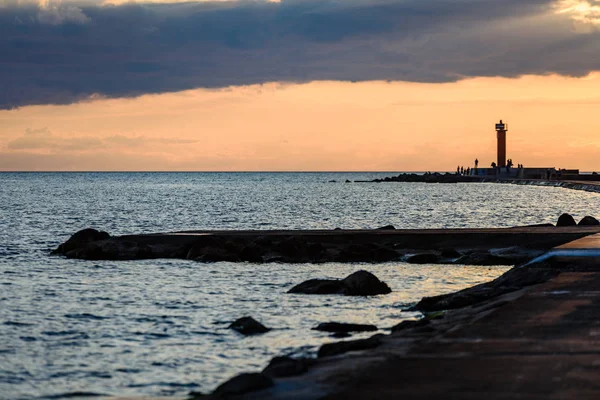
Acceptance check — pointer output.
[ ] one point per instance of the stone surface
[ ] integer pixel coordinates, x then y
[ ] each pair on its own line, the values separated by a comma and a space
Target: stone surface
566, 220
344, 327
248, 326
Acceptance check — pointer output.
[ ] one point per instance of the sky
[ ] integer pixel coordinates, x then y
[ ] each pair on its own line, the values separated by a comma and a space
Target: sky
297, 85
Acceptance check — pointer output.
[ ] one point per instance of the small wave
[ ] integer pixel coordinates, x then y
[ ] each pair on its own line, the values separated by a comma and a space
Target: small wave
164, 384
17, 323
73, 395
85, 316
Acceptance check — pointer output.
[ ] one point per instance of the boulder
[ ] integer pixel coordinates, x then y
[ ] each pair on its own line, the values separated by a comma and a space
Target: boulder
425, 258
364, 283
588, 221
360, 283
280, 367
244, 383
248, 326
387, 228
319, 286
566, 220
343, 327
333, 349
81, 238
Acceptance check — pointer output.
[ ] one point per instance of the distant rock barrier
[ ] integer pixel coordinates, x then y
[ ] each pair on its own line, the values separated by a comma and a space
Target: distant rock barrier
502, 246
435, 177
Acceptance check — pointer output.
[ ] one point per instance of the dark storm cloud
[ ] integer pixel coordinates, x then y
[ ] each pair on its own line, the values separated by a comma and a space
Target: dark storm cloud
66, 53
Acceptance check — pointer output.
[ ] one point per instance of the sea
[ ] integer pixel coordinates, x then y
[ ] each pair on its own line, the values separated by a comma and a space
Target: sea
159, 327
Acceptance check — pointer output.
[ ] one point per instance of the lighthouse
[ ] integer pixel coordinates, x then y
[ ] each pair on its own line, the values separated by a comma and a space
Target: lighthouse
501, 129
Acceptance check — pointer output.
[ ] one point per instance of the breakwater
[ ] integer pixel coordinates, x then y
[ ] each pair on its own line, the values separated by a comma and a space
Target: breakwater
574, 185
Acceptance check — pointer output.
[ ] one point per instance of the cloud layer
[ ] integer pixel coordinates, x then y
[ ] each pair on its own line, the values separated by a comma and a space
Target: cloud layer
64, 52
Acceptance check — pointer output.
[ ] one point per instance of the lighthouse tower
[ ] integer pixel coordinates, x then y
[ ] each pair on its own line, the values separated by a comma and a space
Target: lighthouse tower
501, 129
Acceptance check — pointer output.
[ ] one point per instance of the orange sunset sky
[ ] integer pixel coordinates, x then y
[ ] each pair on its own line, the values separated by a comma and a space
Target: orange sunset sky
318, 125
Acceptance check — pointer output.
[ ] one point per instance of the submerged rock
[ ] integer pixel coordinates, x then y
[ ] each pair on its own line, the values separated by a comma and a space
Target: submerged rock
248, 326
340, 335
566, 220
360, 283
244, 383
343, 327
588, 221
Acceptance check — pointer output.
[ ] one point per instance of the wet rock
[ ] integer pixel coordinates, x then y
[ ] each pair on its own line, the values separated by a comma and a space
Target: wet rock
364, 283
360, 283
566, 220
280, 367
319, 286
450, 253
588, 221
81, 238
248, 326
333, 349
387, 228
425, 258
343, 327
244, 383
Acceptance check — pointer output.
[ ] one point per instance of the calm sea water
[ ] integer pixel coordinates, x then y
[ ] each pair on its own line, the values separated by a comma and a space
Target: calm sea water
158, 327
